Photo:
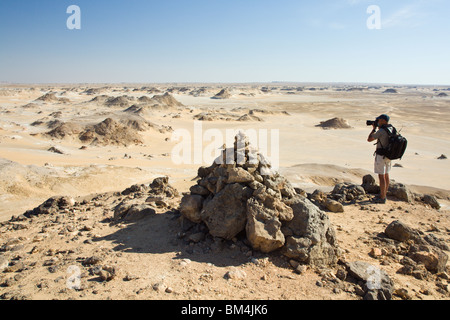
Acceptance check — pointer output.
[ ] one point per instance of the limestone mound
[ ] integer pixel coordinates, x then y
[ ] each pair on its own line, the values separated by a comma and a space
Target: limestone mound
166, 100
51, 97
335, 123
110, 132
64, 129
223, 94
390, 91
122, 101
159, 102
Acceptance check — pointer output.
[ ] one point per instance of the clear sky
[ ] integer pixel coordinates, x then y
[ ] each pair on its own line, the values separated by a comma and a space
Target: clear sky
225, 41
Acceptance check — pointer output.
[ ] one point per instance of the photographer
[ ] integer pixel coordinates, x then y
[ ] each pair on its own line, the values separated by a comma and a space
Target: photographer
382, 164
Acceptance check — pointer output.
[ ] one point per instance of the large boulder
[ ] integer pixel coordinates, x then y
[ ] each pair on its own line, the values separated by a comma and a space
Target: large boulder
263, 227
432, 201
191, 206
377, 284
130, 212
239, 175
433, 258
400, 191
160, 186
225, 214
399, 231
369, 185
334, 206
310, 236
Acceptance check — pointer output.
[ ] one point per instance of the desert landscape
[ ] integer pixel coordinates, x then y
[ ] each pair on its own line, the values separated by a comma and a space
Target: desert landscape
93, 205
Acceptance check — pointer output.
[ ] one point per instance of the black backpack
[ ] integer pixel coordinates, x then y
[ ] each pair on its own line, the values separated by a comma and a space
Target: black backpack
397, 144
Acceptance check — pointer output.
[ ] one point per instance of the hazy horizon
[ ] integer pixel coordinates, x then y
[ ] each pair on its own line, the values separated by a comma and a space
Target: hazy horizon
229, 83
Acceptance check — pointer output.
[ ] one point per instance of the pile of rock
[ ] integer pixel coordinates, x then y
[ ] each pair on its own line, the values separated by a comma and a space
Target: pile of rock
157, 194
421, 254
345, 192
240, 194
51, 206
399, 191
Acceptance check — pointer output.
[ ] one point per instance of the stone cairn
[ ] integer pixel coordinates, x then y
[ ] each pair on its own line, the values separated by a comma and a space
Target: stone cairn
241, 193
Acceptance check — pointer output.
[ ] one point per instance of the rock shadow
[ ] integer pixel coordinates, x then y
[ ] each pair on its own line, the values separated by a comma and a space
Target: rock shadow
162, 233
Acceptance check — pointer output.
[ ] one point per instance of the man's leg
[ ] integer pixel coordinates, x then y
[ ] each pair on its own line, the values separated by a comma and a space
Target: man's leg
387, 182
383, 192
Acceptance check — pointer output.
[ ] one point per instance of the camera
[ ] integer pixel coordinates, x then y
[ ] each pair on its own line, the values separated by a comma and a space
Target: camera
371, 123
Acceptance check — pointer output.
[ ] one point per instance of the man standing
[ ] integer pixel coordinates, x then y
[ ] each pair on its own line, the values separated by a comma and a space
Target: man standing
382, 164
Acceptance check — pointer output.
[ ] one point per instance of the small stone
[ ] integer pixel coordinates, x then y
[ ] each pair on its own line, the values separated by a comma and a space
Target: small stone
375, 253
185, 262
50, 262
341, 274
159, 287
130, 277
359, 291
235, 274
92, 261
3, 263
105, 275
402, 293
442, 275
15, 267
334, 206
197, 237
294, 263
300, 269
169, 290
86, 228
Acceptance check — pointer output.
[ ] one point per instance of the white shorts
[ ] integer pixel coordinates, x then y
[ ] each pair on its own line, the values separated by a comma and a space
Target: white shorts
382, 165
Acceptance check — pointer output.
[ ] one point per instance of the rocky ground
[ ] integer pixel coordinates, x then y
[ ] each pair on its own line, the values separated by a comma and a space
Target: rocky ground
135, 244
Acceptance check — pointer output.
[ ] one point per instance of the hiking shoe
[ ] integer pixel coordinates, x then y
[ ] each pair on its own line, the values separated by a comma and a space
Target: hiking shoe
379, 200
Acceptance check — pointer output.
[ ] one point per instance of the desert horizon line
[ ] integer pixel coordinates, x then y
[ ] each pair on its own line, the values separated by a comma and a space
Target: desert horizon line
336, 83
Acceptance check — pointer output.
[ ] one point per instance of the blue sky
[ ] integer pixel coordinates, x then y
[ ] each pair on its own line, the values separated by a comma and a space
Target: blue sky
225, 41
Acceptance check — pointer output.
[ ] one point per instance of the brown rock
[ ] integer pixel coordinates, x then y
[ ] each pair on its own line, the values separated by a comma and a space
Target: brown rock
239, 175
191, 206
263, 227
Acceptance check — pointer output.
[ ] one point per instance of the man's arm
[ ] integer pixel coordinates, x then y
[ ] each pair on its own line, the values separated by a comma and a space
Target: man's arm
372, 135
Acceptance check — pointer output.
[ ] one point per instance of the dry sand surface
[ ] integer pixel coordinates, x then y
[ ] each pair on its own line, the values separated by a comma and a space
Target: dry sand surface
88, 142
